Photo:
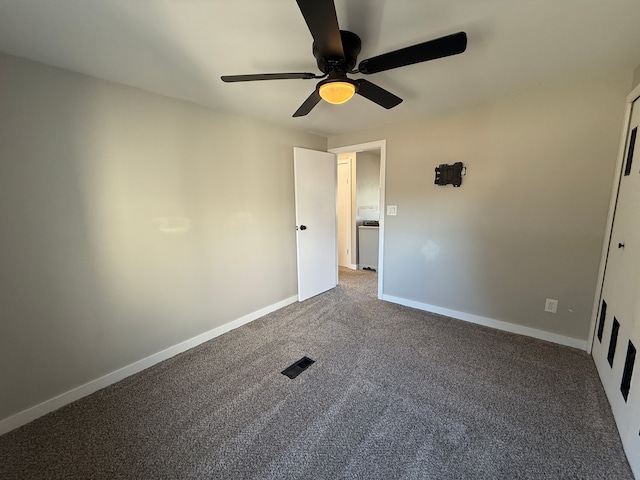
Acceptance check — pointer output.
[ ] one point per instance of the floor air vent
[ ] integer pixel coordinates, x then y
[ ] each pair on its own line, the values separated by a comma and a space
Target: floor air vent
298, 367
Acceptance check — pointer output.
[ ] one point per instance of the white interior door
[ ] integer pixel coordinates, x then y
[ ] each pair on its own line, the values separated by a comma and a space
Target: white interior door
315, 191
618, 325
344, 213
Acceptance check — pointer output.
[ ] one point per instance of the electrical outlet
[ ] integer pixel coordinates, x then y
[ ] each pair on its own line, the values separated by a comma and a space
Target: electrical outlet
551, 305
392, 210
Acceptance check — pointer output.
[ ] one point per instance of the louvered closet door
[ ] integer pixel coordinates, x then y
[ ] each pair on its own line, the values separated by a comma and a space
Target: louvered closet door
618, 327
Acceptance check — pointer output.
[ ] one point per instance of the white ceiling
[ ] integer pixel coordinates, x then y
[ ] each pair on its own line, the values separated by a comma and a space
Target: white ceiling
180, 48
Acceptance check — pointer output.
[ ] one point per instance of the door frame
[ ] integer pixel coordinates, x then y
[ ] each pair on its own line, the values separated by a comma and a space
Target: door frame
615, 190
365, 147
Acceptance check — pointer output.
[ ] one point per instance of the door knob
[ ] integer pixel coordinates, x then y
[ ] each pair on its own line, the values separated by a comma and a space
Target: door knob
303, 227
620, 245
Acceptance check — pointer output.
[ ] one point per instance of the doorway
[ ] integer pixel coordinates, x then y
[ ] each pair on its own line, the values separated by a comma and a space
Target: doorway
366, 210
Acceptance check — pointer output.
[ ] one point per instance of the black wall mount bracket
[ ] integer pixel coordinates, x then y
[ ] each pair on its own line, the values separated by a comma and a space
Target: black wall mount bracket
450, 174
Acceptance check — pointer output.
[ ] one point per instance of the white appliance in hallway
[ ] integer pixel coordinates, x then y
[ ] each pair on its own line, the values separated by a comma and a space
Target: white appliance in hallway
368, 239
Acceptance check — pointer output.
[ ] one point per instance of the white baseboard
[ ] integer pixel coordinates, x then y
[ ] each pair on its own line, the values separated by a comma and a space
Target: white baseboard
30, 414
352, 266
490, 322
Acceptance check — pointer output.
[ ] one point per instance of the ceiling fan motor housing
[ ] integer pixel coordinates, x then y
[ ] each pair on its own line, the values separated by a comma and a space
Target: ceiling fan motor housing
351, 46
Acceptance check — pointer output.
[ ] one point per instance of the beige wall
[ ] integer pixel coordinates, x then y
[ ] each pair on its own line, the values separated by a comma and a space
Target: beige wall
130, 222
529, 219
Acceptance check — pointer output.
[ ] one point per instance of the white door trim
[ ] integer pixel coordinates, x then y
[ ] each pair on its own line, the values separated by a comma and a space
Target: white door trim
635, 94
363, 147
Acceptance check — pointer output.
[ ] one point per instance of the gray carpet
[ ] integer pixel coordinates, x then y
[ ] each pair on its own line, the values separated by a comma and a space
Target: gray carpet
394, 393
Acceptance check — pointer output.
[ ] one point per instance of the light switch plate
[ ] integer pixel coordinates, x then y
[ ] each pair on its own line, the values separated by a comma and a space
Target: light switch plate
392, 210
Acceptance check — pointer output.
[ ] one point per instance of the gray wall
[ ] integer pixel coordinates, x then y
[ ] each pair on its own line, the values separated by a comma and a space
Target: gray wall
529, 219
130, 222
367, 186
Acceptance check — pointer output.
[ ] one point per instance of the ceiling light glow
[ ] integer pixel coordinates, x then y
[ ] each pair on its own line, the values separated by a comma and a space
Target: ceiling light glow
337, 92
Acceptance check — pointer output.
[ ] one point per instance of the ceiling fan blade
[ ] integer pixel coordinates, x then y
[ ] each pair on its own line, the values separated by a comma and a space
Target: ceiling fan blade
322, 21
308, 104
422, 52
266, 76
377, 94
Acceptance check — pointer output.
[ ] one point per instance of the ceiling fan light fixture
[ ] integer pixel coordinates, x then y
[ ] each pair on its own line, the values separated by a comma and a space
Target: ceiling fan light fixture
336, 52
337, 92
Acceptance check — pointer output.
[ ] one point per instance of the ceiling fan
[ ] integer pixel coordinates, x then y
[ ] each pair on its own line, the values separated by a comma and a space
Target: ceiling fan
336, 52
